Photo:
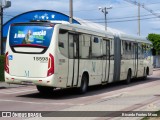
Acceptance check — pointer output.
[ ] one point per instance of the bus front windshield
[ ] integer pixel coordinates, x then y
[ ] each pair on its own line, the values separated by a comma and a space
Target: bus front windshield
30, 36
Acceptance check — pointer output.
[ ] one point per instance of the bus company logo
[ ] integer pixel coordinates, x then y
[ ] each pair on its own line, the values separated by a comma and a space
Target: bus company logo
43, 17
6, 114
26, 73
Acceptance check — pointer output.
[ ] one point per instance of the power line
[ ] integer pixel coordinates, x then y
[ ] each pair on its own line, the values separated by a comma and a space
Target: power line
114, 7
101, 19
120, 17
144, 7
133, 19
152, 3
122, 20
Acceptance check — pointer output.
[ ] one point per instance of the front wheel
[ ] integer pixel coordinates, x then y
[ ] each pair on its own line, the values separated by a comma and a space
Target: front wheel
128, 80
44, 89
84, 85
145, 74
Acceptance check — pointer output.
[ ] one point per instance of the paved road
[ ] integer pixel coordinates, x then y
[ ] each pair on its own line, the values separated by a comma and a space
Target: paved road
138, 96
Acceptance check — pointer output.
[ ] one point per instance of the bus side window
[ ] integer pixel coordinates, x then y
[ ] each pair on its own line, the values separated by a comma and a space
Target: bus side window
125, 47
133, 50
84, 46
143, 50
139, 51
106, 49
127, 50
130, 50
96, 48
122, 48
71, 46
63, 42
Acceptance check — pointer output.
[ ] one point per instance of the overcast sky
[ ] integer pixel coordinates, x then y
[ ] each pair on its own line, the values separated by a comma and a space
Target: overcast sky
122, 16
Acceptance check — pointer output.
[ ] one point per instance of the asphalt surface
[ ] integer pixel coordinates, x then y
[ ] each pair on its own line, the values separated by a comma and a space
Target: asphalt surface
140, 95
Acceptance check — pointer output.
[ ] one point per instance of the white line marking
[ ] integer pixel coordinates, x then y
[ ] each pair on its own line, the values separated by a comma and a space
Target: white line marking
114, 96
4, 100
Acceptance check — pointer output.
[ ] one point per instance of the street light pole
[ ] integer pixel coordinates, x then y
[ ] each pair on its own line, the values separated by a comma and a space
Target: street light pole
2, 6
1, 28
104, 10
71, 11
139, 29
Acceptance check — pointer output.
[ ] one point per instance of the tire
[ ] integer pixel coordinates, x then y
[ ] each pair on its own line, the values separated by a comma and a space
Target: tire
84, 85
45, 90
145, 74
128, 80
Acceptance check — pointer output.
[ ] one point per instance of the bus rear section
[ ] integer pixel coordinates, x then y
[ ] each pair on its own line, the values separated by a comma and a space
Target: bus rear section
28, 58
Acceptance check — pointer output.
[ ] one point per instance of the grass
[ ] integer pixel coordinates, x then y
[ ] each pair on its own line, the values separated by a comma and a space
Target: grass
153, 118
2, 68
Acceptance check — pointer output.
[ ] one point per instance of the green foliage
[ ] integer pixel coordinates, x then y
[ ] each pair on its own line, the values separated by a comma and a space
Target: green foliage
2, 67
155, 39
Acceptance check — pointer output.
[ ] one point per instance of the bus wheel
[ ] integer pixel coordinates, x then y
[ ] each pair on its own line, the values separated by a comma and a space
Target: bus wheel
145, 74
44, 89
84, 85
128, 80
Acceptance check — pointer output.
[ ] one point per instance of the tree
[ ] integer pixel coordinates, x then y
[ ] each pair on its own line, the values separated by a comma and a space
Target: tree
155, 39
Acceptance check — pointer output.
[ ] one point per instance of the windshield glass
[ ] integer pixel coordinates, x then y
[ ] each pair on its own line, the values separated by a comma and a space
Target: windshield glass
30, 36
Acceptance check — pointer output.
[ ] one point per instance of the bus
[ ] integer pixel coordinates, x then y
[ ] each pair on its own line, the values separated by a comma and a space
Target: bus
56, 55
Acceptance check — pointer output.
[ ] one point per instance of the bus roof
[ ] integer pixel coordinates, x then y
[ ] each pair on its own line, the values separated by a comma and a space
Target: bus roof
134, 38
89, 30
100, 32
110, 34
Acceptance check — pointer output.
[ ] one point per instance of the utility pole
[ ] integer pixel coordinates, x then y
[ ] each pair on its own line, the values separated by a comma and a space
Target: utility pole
105, 11
139, 22
71, 11
105, 14
1, 23
1, 28
7, 3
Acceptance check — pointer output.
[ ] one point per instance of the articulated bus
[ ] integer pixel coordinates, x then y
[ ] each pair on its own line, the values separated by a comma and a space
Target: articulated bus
55, 55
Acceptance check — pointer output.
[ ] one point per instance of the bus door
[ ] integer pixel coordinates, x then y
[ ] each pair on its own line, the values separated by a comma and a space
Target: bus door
106, 60
135, 59
73, 62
